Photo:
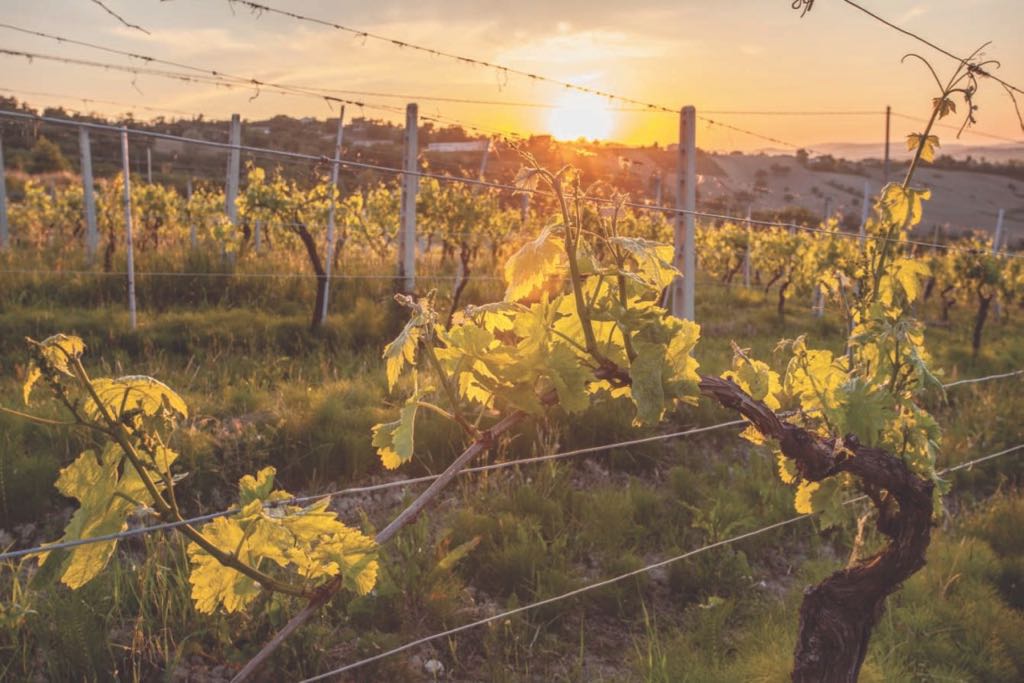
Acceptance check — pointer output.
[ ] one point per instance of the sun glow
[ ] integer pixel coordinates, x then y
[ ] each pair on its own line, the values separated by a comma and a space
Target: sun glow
580, 115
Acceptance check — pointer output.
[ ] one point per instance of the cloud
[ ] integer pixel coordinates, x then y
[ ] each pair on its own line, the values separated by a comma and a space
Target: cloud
912, 13
188, 41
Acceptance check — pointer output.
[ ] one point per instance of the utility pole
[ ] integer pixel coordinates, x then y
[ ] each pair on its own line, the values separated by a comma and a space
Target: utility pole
685, 260
92, 236
410, 185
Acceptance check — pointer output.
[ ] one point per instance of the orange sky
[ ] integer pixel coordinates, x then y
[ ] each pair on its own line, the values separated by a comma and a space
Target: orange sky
735, 55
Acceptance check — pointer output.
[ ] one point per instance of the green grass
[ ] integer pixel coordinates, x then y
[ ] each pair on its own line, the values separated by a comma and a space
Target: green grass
266, 390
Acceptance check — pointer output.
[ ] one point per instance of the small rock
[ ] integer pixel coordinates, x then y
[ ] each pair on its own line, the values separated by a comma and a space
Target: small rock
433, 667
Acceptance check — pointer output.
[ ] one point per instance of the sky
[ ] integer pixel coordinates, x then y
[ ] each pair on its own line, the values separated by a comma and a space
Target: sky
719, 56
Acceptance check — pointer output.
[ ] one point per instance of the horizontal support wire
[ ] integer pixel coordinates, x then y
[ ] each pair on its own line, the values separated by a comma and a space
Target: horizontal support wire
402, 483
612, 580
476, 182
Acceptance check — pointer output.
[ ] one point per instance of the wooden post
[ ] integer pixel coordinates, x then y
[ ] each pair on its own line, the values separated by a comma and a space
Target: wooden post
410, 185
234, 168
92, 235
329, 251
685, 223
149, 165
129, 248
885, 165
4, 235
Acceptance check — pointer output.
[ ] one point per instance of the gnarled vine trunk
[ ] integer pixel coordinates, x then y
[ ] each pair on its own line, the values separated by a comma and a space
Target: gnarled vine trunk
984, 303
838, 615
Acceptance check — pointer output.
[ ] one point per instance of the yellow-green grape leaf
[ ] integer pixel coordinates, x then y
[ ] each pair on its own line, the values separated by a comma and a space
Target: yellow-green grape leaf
214, 584
823, 498
909, 273
927, 148
252, 488
901, 206
58, 350
394, 440
944, 105
106, 497
653, 260
757, 379
786, 468
134, 392
527, 270
402, 351
685, 335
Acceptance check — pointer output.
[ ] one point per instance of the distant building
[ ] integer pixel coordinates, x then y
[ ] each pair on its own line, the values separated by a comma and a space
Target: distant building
458, 147
371, 143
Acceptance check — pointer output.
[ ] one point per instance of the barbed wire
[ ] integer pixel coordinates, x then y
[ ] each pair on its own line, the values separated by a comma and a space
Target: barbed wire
612, 580
403, 483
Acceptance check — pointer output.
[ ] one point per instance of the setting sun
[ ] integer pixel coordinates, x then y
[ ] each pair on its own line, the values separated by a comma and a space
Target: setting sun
581, 116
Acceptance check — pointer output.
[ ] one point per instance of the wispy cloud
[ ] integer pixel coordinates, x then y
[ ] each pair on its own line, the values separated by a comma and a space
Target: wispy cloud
912, 13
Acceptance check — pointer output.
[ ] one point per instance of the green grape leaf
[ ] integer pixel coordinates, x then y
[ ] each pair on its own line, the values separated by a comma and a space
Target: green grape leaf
647, 389
529, 269
394, 440
570, 378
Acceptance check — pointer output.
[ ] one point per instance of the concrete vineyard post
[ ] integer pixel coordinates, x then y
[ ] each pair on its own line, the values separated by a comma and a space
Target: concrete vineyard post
192, 237
4, 235
92, 235
746, 254
410, 185
234, 168
996, 241
864, 209
685, 260
128, 245
149, 165
483, 160
329, 250
885, 164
